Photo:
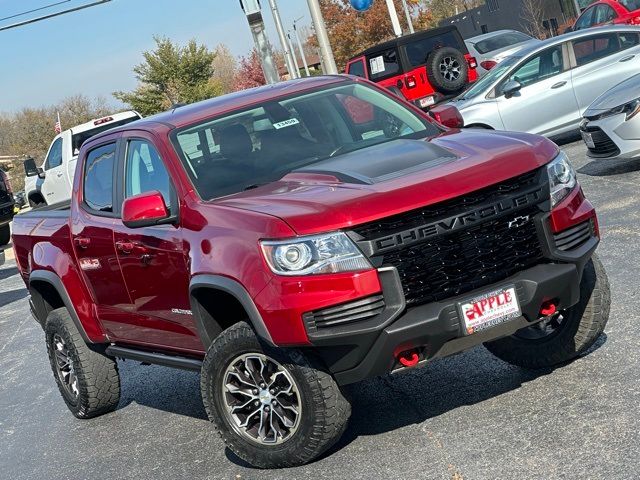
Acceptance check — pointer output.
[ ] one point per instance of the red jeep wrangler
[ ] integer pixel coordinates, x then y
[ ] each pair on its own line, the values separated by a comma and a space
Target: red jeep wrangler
285, 249
427, 67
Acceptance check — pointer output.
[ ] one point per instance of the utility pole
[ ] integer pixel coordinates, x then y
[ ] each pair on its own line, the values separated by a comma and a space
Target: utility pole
283, 40
408, 14
302, 55
323, 38
395, 21
254, 16
576, 5
295, 57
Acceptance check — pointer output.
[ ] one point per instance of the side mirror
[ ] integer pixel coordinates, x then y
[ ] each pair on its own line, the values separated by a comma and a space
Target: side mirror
145, 210
30, 168
511, 88
447, 115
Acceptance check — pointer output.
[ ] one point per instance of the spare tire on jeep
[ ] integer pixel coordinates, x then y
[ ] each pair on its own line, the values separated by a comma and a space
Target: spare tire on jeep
447, 69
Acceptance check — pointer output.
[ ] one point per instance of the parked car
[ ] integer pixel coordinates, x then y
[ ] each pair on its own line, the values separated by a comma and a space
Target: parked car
51, 183
6, 208
489, 49
285, 245
607, 12
546, 88
611, 126
428, 67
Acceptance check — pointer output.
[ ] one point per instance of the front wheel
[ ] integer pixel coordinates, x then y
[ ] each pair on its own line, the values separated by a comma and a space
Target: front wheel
566, 335
273, 408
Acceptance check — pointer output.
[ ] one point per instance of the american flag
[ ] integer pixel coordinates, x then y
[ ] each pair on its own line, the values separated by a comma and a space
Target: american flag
58, 126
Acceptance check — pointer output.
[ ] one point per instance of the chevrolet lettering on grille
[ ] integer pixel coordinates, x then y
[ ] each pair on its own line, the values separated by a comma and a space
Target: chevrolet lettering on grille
418, 234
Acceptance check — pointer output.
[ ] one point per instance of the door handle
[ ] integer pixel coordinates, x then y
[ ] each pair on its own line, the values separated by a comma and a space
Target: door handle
82, 242
59, 174
626, 59
558, 85
126, 247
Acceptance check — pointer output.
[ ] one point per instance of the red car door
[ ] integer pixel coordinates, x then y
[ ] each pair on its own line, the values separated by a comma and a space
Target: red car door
92, 231
153, 259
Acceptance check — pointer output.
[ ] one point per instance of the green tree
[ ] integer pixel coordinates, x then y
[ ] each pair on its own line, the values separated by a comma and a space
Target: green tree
172, 74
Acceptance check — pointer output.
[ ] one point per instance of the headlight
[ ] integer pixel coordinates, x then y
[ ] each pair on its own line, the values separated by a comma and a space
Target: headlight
562, 178
631, 109
327, 253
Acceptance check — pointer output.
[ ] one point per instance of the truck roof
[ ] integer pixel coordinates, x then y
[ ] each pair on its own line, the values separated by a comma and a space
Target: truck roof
192, 113
115, 117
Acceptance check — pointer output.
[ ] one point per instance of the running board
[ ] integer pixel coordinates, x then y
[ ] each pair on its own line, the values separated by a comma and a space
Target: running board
183, 363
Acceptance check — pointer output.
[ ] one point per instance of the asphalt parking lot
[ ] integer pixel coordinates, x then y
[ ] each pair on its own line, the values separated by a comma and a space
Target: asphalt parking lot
466, 417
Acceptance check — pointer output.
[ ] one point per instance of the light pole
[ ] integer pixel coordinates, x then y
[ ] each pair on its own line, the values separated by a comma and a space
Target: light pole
254, 16
408, 14
302, 55
295, 57
323, 38
283, 40
395, 21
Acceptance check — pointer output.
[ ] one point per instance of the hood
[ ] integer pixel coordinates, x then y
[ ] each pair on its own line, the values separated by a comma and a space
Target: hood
619, 95
393, 178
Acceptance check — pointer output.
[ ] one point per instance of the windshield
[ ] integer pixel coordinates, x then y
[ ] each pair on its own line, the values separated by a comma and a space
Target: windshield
260, 145
501, 41
490, 78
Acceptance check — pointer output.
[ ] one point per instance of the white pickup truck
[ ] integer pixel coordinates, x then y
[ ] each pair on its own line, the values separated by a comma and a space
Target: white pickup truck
53, 181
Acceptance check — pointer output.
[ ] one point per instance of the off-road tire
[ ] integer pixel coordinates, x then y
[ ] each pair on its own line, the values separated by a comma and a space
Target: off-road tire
436, 76
581, 327
5, 234
325, 411
98, 379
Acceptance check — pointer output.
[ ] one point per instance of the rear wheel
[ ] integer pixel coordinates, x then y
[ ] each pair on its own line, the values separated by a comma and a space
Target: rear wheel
567, 334
5, 234
87, 379
447, 69
273, 408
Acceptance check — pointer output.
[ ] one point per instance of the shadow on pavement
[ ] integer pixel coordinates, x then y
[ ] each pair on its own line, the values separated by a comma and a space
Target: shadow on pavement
567, 138
379, 405
8, 272
12, 296
603, 168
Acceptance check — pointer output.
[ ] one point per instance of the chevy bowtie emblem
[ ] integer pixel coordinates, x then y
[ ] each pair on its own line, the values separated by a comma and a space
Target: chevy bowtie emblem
519, 221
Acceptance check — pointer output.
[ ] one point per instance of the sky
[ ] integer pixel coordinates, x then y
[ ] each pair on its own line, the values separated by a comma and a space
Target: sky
93, 51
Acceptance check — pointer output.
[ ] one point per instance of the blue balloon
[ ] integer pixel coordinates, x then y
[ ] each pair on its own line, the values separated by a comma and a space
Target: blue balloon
361, 5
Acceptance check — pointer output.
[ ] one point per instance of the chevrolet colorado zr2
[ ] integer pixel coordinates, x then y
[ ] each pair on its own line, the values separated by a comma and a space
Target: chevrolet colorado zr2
289, 240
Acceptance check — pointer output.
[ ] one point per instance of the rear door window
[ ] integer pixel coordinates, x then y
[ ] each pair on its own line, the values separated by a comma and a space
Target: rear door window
98, 178
357, 68
419, 50
594, 48
383, 64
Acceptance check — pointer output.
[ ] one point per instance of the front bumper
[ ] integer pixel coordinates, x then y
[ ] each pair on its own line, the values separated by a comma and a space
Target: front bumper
436, 329
615, 138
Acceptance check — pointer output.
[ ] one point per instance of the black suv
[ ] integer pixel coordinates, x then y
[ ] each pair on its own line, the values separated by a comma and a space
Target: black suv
6, 208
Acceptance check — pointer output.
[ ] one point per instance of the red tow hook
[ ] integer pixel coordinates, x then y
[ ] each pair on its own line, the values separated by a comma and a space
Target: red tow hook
408, 358
548, 308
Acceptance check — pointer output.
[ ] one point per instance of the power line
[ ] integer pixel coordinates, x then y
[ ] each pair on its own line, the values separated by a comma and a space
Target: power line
57, 14
34, 10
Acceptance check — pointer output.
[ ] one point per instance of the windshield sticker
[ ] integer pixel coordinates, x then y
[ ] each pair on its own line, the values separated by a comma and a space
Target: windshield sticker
286, 123
377, 65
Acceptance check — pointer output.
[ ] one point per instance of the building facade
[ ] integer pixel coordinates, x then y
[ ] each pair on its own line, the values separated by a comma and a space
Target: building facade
510, 14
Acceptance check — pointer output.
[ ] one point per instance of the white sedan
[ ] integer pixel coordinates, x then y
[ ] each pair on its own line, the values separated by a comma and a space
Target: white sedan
611, 128
546, 89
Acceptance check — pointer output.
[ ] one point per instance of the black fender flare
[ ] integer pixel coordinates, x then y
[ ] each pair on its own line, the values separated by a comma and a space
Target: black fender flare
55, 281
233, 288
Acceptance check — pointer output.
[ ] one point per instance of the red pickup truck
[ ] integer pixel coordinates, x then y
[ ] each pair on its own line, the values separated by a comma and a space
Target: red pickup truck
290, 240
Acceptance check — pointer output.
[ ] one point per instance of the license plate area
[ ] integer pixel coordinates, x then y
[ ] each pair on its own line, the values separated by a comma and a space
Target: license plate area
489, 309
588, 139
